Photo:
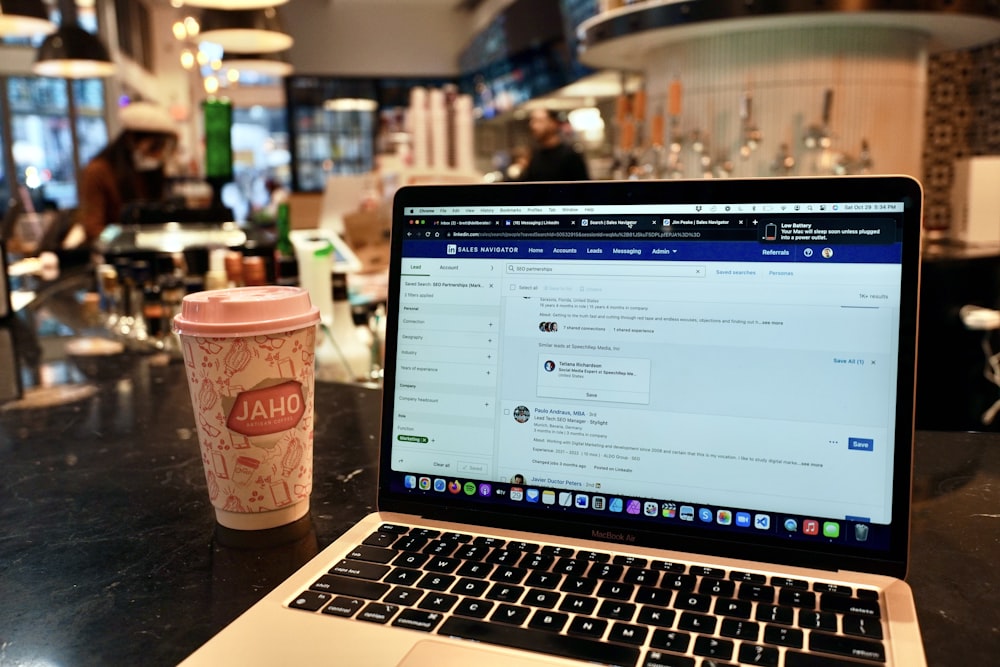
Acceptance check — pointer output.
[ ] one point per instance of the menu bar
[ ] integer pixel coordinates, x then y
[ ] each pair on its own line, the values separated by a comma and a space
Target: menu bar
624, 209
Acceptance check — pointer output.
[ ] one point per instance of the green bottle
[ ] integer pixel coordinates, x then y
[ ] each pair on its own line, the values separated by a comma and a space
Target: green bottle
286, 264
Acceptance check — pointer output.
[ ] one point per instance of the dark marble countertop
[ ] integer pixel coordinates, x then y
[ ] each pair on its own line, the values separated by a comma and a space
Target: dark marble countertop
110, 554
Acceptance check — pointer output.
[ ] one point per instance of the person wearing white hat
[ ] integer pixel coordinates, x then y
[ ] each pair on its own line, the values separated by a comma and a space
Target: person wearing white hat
127, 170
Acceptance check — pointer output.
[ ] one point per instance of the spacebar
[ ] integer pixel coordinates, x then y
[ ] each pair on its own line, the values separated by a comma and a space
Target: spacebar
541, 641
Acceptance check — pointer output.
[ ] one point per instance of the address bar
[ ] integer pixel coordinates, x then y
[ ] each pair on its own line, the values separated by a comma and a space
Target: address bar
605, 270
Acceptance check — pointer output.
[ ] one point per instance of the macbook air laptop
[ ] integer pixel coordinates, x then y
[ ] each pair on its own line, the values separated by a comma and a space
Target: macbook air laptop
631, 423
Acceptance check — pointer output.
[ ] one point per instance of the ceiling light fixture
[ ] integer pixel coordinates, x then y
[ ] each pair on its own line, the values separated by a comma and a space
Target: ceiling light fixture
71, 52
234, 4
245, 30
24, 18
264, 64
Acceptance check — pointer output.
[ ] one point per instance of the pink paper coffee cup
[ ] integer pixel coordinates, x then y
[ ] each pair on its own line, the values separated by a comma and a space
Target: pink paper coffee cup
248, 355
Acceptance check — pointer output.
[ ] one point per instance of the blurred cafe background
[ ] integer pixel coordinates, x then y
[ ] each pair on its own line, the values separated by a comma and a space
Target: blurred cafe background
289, 126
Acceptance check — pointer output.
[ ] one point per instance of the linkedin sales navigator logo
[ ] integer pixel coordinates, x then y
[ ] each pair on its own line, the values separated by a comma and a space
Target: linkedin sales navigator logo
451, 249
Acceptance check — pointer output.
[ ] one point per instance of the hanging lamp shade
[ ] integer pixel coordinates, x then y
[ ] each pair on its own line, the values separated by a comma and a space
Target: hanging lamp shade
245, 30
268, 64
73, 53
234, 4
24, 18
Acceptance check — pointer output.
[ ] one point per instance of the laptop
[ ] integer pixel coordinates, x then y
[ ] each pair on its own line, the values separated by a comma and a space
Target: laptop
642, 423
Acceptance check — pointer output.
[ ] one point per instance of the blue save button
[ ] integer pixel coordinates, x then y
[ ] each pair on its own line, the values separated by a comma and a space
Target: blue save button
861, 444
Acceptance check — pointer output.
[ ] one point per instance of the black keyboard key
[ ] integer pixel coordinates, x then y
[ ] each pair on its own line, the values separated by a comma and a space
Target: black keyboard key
343, 606
717, 587
693, 602
426, 533
511, 615
381, 539
545, 580
578, 604
578, 585
474, 608
845, 605
403, 596
818, 620
628, 634
663, 618
471, 587
859, 626
594, 556
707, 571
583, 626
782, 636
360, 569
310, 600
471, 552
847, 646
371, 554
734, 608
475, 570
669, 566
710, 647
508, 575
670, 640
376, 612
616, 611
606, 571
440, 548
505, 593
548, 620
489, 542
526, 547
438, 602
508, 557
537, 597
359, 588
797, 598
571, 566
558, 552
657, 659
678, 582
615, 591
641, 576
796, 659
403, 576
442, 564
697, 623
739, 629
747, 577
867, 594
436, 582
537, 561
838, 589
756, 593
461, 538
657, 596
770, 613
410, 559
574, 648
415, 619
754, 654
410, 543
629, 561
788, 582
393, 528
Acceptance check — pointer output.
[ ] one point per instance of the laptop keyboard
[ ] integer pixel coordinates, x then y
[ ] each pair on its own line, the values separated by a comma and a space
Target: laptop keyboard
596, 606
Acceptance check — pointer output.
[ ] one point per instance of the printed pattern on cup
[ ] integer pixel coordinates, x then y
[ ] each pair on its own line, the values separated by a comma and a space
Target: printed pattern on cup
253, 399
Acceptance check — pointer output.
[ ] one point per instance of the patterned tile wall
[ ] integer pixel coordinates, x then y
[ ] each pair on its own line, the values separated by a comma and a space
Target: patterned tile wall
963, 120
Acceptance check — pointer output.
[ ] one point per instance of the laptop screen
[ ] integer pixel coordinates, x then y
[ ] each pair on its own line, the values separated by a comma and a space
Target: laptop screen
730, 362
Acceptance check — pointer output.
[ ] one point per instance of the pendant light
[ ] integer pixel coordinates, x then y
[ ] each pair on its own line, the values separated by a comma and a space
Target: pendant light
71, 52
24, 18
245, 30
234, 4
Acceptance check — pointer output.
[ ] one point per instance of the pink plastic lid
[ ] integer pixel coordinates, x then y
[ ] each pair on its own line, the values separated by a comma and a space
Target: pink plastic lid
245, 311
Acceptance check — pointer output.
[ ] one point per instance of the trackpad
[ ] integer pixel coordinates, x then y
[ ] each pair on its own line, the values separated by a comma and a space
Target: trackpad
429, 653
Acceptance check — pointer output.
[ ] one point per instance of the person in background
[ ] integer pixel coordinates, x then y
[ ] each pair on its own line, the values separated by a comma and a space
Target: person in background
127, 170
553, 159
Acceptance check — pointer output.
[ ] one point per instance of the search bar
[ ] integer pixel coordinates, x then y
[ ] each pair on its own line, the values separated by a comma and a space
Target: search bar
604, 270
